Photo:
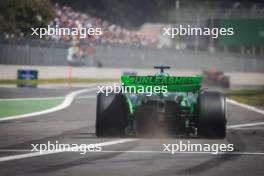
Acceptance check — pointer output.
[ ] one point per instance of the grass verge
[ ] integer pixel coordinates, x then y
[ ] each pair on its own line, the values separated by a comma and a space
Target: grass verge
253, 97
19, 107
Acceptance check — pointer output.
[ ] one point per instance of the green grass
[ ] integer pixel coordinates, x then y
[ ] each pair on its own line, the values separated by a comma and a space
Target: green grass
253, 97
57, 81
19, 107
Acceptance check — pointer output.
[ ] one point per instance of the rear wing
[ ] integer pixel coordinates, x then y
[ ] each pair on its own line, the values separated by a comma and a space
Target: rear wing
174, 84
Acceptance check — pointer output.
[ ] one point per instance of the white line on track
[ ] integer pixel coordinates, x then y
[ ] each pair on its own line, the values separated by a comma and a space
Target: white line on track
35, 154
246, 106
66, 103
28, 155
245, 125
159, 151
254, 109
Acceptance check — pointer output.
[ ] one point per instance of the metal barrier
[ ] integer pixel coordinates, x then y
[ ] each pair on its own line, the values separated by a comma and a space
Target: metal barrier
52, 53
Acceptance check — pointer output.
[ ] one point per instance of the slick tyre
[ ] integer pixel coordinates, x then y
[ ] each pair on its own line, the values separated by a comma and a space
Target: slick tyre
111, 113
211, 114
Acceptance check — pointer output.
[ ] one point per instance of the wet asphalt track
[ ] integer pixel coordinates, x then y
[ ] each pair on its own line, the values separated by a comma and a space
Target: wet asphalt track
76, 125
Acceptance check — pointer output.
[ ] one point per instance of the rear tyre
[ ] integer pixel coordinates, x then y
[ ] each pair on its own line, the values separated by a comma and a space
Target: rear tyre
111, 113
211, 114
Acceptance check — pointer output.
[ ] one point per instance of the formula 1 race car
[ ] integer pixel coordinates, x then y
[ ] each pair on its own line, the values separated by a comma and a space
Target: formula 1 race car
146, 103
216, 78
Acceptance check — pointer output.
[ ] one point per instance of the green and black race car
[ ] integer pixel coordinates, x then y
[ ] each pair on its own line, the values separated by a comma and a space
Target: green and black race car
177, 104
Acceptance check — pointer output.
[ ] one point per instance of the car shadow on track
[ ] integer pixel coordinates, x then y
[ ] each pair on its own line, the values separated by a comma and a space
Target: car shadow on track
90, 159
67, 134
214, 162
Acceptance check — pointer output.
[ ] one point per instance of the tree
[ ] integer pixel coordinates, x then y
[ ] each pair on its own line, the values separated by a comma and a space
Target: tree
18, 16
